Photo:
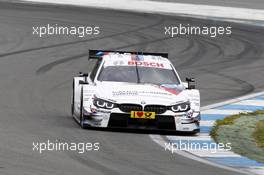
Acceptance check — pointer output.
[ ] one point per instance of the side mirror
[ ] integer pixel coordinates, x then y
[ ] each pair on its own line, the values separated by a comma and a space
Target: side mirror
191, 83
81, 74
85, 75
190, 79
83, 82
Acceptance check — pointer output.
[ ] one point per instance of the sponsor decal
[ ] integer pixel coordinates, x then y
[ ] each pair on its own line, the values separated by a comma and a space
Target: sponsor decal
135, 57
118, 63
172, 89
125, 93
158, 58
146, 64
136, 93
142, 115
101, 53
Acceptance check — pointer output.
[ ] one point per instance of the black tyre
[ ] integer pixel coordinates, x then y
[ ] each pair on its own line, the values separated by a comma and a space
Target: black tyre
195, 132
72, 103
84, 126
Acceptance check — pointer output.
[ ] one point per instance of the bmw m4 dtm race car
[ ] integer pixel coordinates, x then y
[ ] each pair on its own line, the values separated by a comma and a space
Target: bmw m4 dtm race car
135, 90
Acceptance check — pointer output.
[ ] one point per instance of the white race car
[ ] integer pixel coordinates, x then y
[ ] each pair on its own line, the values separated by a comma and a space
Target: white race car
135, 90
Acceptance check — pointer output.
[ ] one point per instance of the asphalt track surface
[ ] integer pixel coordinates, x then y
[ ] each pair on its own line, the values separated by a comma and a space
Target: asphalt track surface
36, 77
253, 4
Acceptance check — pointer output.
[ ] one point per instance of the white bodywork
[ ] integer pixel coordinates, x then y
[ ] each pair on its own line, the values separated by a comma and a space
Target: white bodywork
87, 113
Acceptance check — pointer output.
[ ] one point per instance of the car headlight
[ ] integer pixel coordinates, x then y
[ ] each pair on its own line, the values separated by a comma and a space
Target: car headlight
100, 103
182, 107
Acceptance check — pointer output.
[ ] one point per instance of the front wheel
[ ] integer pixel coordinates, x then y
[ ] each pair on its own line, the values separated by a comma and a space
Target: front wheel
72, 102
194, 132
82, 124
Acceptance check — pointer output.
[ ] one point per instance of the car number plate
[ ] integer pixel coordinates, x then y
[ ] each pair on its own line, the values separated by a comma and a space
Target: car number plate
142, 115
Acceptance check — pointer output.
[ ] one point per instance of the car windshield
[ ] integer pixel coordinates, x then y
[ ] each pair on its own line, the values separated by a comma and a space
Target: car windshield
138, 74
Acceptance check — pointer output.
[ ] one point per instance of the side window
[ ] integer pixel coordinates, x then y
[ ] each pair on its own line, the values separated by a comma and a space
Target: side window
95, 69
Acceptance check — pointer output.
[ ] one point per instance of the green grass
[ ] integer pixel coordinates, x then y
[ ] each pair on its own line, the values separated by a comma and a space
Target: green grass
230, 120
226, 121
259, 134
244, 131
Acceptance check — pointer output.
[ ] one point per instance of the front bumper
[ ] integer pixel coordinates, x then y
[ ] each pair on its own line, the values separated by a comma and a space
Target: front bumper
184, 122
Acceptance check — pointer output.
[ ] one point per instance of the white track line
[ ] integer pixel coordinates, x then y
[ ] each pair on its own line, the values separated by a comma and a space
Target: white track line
232, 100
224, 112
207, 122
251, 103
214, 153
202, 138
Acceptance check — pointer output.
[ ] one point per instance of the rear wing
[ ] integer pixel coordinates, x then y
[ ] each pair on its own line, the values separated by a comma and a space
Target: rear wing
97, 54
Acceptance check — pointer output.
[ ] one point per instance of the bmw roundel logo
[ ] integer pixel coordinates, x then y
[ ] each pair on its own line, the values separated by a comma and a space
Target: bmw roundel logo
143, 102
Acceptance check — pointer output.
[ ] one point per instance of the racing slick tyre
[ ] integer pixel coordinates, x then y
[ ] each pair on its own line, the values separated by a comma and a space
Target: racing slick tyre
83, 125
72, 103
